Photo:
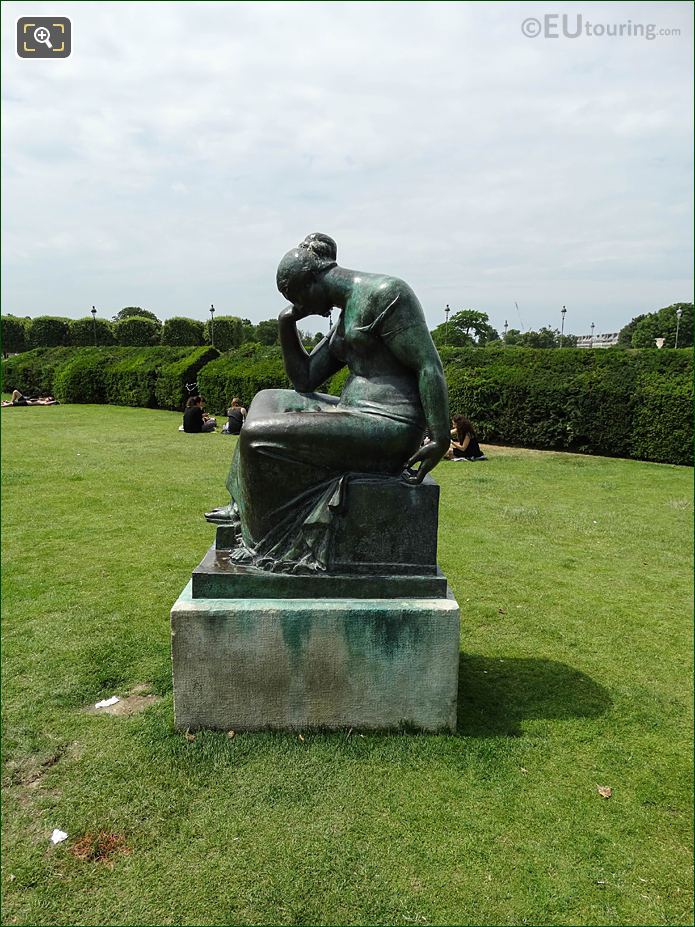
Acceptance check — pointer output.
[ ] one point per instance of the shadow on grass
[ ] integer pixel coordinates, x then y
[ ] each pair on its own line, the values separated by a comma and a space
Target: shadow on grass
497, 694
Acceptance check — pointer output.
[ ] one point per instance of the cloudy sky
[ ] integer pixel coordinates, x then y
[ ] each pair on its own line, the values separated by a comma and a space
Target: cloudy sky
182, 148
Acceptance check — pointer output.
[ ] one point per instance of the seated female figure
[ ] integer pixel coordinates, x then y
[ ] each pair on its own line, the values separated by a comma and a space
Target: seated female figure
297, 445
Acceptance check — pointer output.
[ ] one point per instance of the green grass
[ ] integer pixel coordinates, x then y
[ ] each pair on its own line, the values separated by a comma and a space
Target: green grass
574, 580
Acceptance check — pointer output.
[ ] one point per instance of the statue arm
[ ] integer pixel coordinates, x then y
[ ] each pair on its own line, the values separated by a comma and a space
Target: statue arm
306, 371
412, 345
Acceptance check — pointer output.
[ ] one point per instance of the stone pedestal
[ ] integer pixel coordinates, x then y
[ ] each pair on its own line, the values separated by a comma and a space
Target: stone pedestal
370, 643
298, 663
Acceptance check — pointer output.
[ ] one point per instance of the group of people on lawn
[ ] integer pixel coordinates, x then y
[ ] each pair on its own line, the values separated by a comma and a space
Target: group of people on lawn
19, 399
196, 420
464, 441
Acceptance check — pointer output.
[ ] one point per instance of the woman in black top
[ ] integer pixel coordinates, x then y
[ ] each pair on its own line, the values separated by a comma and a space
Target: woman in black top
236, 414
464, 441
195, 420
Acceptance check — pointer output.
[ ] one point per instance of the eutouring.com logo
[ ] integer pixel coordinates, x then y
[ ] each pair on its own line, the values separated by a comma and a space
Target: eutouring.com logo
566, 26
44, 37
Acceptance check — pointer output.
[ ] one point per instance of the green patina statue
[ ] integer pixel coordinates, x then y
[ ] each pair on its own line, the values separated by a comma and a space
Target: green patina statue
298, 447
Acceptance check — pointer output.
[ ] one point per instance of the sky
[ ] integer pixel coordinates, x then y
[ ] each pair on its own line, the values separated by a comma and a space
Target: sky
182, 148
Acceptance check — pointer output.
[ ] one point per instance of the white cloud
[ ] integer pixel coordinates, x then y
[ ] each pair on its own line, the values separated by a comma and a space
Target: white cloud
182, 148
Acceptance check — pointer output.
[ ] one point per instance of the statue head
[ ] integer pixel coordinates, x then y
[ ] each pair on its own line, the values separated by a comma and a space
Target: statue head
301, 270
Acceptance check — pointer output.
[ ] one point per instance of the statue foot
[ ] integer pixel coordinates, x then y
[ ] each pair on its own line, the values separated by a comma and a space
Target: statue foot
224, 515
241, 555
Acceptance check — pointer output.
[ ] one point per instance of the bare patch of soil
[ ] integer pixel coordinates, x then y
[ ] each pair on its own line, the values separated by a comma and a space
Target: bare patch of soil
99, 848
128, 705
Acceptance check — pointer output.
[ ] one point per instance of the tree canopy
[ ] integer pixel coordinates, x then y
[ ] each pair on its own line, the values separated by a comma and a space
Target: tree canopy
643, 330
130, 311
545, 337
467, 327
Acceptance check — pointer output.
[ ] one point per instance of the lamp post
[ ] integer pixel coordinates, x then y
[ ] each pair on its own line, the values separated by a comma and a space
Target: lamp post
446, 324
94, 324
563, 313
679, 313
212, 326
591, 343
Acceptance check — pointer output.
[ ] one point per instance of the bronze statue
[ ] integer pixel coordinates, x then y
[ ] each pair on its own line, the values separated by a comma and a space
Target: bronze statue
297, 447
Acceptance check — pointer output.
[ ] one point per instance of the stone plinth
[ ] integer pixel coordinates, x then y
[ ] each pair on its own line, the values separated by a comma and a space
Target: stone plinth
293, 664
217, 576
385, 527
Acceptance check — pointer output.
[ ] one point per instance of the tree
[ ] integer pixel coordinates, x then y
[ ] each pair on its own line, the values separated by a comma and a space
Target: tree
136, 332
646, 332
228, 331
130, 311
467, 327
14, 339
249, 330
567, 341
642, 331
626, 332
308, 340
544, 338
81, 332
666, 324
179, 331
267, 332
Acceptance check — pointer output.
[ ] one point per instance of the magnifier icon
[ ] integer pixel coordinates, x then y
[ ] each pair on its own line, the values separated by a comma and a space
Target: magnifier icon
43, 36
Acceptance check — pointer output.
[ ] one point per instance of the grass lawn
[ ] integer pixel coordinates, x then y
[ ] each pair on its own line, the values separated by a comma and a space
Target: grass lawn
574, 579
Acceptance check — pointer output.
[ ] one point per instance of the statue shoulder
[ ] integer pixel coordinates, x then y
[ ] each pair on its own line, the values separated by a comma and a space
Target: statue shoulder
393, 288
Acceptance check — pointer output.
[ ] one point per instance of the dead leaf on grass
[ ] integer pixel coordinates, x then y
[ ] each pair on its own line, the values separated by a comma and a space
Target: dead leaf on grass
605, 791
189, 737
301, 738
231, 734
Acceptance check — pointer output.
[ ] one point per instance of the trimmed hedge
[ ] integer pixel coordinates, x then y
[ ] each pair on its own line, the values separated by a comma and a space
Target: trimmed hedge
579, 400
122, 376
663, 423
132, 380
243, 374
137, 332
171, 390
82, 376
47, 331
81, 333
181, 332
228, 332
33, 372
13, 334
612, 402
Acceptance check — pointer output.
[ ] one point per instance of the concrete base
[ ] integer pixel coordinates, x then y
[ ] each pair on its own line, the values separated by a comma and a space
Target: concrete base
293, 664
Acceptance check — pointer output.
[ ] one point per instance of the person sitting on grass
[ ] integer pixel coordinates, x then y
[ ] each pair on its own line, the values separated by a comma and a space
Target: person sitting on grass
195, 420
236, 414
464, 441
19, 399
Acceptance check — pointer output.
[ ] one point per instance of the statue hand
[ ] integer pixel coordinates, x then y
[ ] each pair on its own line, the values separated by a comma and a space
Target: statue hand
428, 456
293, 314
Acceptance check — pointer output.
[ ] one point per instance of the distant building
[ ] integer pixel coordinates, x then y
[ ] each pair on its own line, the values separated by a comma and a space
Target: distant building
605, 340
